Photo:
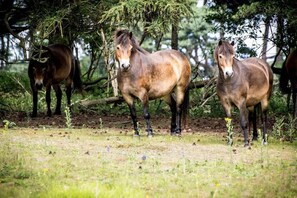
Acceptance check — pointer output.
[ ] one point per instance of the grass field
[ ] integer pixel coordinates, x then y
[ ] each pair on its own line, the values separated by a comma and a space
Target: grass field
53, 162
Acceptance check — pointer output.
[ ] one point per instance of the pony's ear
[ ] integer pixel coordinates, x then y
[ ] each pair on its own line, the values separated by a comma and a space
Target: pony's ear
220, 42
118, 33
232, 43
130, 35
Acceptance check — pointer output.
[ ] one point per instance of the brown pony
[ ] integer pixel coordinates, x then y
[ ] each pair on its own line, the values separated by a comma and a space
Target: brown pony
147, 76
48, 67
289, 73
245, 84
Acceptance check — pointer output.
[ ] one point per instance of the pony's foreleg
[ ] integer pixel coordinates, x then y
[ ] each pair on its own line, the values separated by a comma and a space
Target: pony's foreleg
134, 118
59, 98
243, 124
147, 118
48, 100
35, 99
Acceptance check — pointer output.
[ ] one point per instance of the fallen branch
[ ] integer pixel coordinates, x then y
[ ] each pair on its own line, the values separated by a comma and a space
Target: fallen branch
109, 100
197, 85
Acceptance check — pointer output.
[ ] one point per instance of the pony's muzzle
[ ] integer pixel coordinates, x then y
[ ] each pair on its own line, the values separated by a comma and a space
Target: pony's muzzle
228, 72
125, 64
38, 84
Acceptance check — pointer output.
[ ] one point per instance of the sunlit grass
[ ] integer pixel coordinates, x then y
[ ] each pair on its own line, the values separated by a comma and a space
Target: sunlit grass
91, 163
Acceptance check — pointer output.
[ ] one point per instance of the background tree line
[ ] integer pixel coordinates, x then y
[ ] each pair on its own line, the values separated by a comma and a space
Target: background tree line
89, 25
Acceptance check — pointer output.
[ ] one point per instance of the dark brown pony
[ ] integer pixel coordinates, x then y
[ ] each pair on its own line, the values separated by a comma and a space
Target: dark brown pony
289, 73
147, 76
245, 84
48, 67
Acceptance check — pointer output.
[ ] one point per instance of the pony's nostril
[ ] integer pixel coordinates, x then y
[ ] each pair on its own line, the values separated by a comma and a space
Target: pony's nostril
125, 66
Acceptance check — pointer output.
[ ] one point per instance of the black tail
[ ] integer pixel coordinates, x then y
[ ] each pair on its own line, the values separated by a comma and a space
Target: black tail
77, 82
185, 109
284, 80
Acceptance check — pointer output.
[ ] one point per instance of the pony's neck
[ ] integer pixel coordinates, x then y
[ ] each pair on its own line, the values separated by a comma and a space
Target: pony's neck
137, 48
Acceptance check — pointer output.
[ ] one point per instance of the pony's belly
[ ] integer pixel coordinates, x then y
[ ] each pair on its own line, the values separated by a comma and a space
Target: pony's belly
158, 94
252, 102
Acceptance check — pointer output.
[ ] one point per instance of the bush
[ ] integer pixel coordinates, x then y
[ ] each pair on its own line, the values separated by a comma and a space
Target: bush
13, 82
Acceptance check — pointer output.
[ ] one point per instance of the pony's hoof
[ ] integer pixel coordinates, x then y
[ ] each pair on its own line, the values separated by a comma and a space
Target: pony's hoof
255, 139
33, 115
265, 143
136, 135
246, 145
178, 134
150, 135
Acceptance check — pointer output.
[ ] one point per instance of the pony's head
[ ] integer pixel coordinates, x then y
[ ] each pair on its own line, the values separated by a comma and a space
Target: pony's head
39, 64
224, 56
124, 44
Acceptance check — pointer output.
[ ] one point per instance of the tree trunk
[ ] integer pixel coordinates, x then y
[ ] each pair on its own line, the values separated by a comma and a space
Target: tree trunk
265, 39
174, 36
2, 52
111, 70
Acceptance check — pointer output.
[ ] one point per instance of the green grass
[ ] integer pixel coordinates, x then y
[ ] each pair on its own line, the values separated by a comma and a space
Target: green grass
92, 163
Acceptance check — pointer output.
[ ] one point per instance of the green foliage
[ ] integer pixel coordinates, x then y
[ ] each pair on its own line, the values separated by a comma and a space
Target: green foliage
278, 103
247, 17
68, 117
230, 132
285, 129
156, 16
13, 83
198, 108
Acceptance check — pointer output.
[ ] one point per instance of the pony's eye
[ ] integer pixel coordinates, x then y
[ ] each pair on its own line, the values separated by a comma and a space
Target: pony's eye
118, 47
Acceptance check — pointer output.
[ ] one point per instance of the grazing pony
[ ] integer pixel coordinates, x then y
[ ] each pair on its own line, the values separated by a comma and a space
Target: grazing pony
245, 84
164, 74
289, 73
48, 67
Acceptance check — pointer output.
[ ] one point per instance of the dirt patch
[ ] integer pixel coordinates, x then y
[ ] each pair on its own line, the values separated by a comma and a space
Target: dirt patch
160, 123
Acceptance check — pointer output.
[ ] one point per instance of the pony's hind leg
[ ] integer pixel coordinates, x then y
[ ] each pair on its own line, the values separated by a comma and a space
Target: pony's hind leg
264, 127
253, 121
35, 100
48, 100
58, 91
294, 96
68, 95
181, 94
172, 104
